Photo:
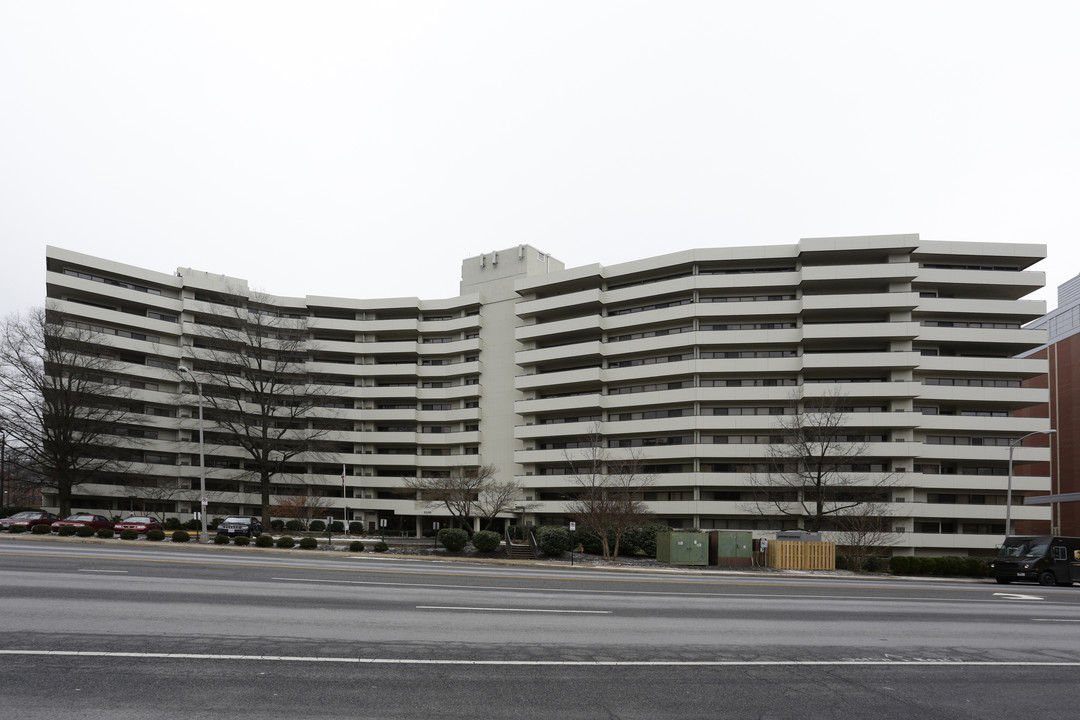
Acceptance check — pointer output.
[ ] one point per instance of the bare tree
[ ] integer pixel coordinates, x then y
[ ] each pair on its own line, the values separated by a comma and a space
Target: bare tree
304, 508
61, 402
260, 398
818, 470
863, 532
469, 492
607, 498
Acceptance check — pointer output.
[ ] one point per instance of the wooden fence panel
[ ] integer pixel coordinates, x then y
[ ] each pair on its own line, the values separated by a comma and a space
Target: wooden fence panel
800, 555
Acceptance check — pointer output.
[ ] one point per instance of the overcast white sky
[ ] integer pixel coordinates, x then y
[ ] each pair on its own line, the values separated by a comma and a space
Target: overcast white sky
362, 149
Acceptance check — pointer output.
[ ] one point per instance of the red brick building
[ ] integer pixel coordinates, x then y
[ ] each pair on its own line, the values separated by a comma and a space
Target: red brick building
1063, 380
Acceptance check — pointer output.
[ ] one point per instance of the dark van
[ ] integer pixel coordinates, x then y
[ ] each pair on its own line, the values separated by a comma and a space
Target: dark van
1045, 559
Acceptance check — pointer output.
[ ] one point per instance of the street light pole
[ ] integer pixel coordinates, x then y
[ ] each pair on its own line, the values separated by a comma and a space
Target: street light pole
202, 461
1008, 487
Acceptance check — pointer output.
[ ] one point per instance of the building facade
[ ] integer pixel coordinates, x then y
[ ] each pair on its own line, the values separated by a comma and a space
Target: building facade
1062, 353
687, 360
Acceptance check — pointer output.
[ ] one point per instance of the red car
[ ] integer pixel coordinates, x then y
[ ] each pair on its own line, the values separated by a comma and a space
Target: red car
29, 518
83, 520
139, 523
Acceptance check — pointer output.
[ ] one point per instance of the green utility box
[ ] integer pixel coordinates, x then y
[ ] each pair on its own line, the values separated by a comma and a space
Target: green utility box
682, 548
731, 548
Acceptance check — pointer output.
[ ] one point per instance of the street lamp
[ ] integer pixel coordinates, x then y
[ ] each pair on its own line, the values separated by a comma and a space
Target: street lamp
1008, 487
202, 462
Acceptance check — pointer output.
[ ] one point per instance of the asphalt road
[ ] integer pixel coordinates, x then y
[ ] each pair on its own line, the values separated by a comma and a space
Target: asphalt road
125, 630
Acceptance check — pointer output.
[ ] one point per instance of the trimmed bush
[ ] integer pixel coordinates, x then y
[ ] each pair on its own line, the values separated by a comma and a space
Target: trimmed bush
264, 540
553, 540
486, 541
241, 540
317, 526
172, 523
66, 530
356, 527
85, 531
221, 539
16, 528
308, 543
285, 541
277, 525
129, 534
103, 532
356, 546
155, 535
41, 529
193, 525
214, 522
900, 564
453, 539
974, 567
181, 536
383, 547
337, 526
294, 526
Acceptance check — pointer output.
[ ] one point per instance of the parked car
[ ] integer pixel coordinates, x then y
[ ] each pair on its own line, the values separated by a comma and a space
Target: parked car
83, 520
233, 526
139, 523
29, 518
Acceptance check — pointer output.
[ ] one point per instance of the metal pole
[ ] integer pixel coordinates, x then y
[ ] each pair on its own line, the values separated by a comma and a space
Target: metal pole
203, 537
1008, 486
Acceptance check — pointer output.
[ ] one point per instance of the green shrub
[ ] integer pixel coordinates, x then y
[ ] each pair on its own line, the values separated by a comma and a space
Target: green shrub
308, 543
221, 539
900, 564
453, 539
553, 540
181, 536
241, 539
285, 541
264, 540
214, 522
129, 534
383, 547
974, 567
193, 525
949, 566
105, 532
155, 535
294, 526
172, 523
589, 542
356, 527
486, 541
85, 531
317, 526
17, 528
337, 526
66, 530
277, 525
643, 539
356, 546
41, 529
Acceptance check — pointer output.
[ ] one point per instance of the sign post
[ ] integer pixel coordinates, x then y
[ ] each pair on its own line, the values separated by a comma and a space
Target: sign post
573, 527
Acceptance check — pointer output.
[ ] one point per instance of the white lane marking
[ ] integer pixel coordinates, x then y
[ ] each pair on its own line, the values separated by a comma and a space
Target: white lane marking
537, 663
119, 572
1017, 596
690, 595
1053, 620
522, 610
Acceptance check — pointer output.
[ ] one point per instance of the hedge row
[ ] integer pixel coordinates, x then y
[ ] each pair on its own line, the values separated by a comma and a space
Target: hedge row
911, 565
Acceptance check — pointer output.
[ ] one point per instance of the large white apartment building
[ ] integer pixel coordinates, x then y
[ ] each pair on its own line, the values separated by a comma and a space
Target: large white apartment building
687, 358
